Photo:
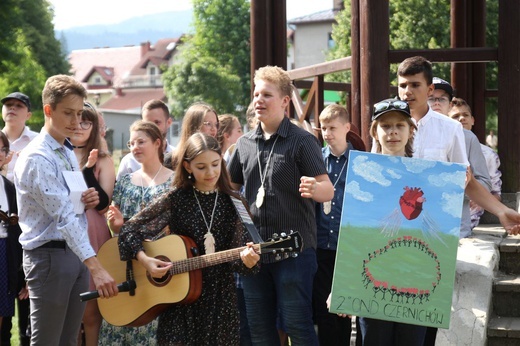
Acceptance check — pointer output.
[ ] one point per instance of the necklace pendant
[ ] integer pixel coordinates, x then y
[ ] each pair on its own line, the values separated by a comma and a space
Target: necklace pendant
327, 207
260, 196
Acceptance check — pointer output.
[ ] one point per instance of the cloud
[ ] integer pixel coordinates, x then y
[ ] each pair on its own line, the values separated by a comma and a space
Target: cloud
417, 166
353, 189
454, 231
452, 203
370, 171
393, 174
444, 179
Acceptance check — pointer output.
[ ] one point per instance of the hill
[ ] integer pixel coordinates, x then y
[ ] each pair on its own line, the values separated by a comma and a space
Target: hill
129, 32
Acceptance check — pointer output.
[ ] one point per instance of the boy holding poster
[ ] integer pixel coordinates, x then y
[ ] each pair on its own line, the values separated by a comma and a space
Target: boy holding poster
392, 130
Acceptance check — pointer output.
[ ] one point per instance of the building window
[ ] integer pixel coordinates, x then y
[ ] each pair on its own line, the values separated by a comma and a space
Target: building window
330, 41
152, 71
97, 80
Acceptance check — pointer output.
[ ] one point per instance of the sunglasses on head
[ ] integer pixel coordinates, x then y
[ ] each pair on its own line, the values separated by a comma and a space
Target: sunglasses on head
384, 106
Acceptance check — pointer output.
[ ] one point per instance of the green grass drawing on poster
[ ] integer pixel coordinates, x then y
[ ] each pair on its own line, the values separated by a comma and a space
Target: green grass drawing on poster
399, 263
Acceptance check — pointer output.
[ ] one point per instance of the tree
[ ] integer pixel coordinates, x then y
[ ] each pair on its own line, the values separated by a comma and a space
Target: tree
38, 28
213, 63
412, 25
415, 25
26, 75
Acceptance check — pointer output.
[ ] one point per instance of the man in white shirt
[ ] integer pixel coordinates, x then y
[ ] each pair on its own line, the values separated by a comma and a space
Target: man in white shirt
16, 110
439, 101
158, 113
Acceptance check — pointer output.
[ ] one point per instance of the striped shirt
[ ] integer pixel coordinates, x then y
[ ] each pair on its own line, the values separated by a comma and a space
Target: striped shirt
295, 154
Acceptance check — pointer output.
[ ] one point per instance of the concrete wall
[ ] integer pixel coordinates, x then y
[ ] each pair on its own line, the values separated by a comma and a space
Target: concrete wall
477, 262
311, 43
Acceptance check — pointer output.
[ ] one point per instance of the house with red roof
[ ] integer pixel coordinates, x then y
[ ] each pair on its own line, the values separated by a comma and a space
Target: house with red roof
120, 80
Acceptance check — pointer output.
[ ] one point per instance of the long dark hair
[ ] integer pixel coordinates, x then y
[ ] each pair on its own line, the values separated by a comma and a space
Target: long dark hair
94, 140
194, 146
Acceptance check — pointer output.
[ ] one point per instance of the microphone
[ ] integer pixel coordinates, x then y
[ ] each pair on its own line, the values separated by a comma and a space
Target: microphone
125, 286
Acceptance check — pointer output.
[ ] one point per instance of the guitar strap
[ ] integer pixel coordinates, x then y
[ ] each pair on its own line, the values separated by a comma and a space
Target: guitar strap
245, 217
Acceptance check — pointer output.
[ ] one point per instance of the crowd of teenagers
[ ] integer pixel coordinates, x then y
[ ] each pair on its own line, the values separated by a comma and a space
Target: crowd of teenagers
288, 180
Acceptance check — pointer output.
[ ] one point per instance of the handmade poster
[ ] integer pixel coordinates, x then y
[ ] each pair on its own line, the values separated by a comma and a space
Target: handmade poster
398, 239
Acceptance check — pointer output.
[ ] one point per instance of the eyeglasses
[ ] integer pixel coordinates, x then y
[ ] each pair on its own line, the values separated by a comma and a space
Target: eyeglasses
139, 143
4, 150
210, 124
88, 105
432, 100
85, 125
383, 106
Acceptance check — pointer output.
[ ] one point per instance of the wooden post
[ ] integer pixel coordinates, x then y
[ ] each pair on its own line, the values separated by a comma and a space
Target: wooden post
268, 34
478, 85
508, 88
355, 97
375, 44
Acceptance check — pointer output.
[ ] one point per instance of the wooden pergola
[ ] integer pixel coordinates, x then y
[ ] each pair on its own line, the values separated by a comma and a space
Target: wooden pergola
371, 58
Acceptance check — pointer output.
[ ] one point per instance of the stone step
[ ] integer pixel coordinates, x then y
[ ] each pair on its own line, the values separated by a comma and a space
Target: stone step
503, 331
510, 255
506, 295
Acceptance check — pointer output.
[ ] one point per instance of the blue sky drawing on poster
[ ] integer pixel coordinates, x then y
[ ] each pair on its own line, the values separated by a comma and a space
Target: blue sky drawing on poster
373, 179
398, 239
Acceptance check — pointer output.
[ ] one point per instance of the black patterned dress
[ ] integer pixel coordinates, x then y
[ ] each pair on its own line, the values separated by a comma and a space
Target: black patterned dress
213, 318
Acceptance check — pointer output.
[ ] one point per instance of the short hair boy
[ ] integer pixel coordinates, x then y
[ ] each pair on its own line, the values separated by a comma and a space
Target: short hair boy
334, 125
57, 251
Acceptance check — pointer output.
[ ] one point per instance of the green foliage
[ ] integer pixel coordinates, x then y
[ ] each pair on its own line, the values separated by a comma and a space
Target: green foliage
38, 28
415, 24
30, 52
26, 75
214, 63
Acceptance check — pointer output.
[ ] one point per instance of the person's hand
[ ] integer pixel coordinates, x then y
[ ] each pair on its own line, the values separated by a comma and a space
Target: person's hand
90, 198
154, 266
329, 298
24, 292
115, 218
92, 158
10, 156
307, 186
104, 282
510, 220
249, 256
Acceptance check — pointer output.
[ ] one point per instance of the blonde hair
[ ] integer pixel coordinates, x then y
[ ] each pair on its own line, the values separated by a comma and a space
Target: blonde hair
334, 111
277, 76
227, 123
408, 149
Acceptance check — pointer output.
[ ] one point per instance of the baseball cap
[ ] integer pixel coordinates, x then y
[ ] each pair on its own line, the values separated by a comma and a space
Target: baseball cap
390, 105
20, 97
443, 85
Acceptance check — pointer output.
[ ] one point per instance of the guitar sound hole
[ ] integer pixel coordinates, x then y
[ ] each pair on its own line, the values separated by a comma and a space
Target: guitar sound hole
162, 281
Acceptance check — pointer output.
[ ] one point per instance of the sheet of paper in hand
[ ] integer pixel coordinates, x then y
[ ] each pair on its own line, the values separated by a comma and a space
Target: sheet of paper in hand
399, 234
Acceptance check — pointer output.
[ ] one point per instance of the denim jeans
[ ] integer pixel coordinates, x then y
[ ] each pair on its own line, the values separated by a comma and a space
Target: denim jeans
282, 290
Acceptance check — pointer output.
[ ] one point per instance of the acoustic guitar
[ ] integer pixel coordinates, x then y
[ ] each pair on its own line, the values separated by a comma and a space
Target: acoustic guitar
142, 298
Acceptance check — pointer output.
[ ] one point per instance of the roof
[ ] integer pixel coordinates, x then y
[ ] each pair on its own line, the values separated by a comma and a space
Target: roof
106, 72
158, 54
133, 99
318, 17
121, 60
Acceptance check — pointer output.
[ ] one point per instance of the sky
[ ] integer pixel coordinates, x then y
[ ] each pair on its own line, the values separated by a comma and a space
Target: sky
68, 14
374, 179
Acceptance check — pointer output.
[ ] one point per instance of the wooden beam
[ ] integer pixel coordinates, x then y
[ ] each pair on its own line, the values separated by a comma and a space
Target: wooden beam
470, 54
334, 86
321, 69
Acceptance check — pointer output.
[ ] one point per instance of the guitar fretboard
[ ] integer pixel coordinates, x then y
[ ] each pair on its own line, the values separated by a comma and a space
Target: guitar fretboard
208, 260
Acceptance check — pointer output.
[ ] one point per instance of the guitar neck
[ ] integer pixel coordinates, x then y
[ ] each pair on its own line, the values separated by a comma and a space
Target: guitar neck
208, 260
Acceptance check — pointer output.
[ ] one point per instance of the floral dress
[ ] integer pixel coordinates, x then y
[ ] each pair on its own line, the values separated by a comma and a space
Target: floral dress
213, 318
130, 198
